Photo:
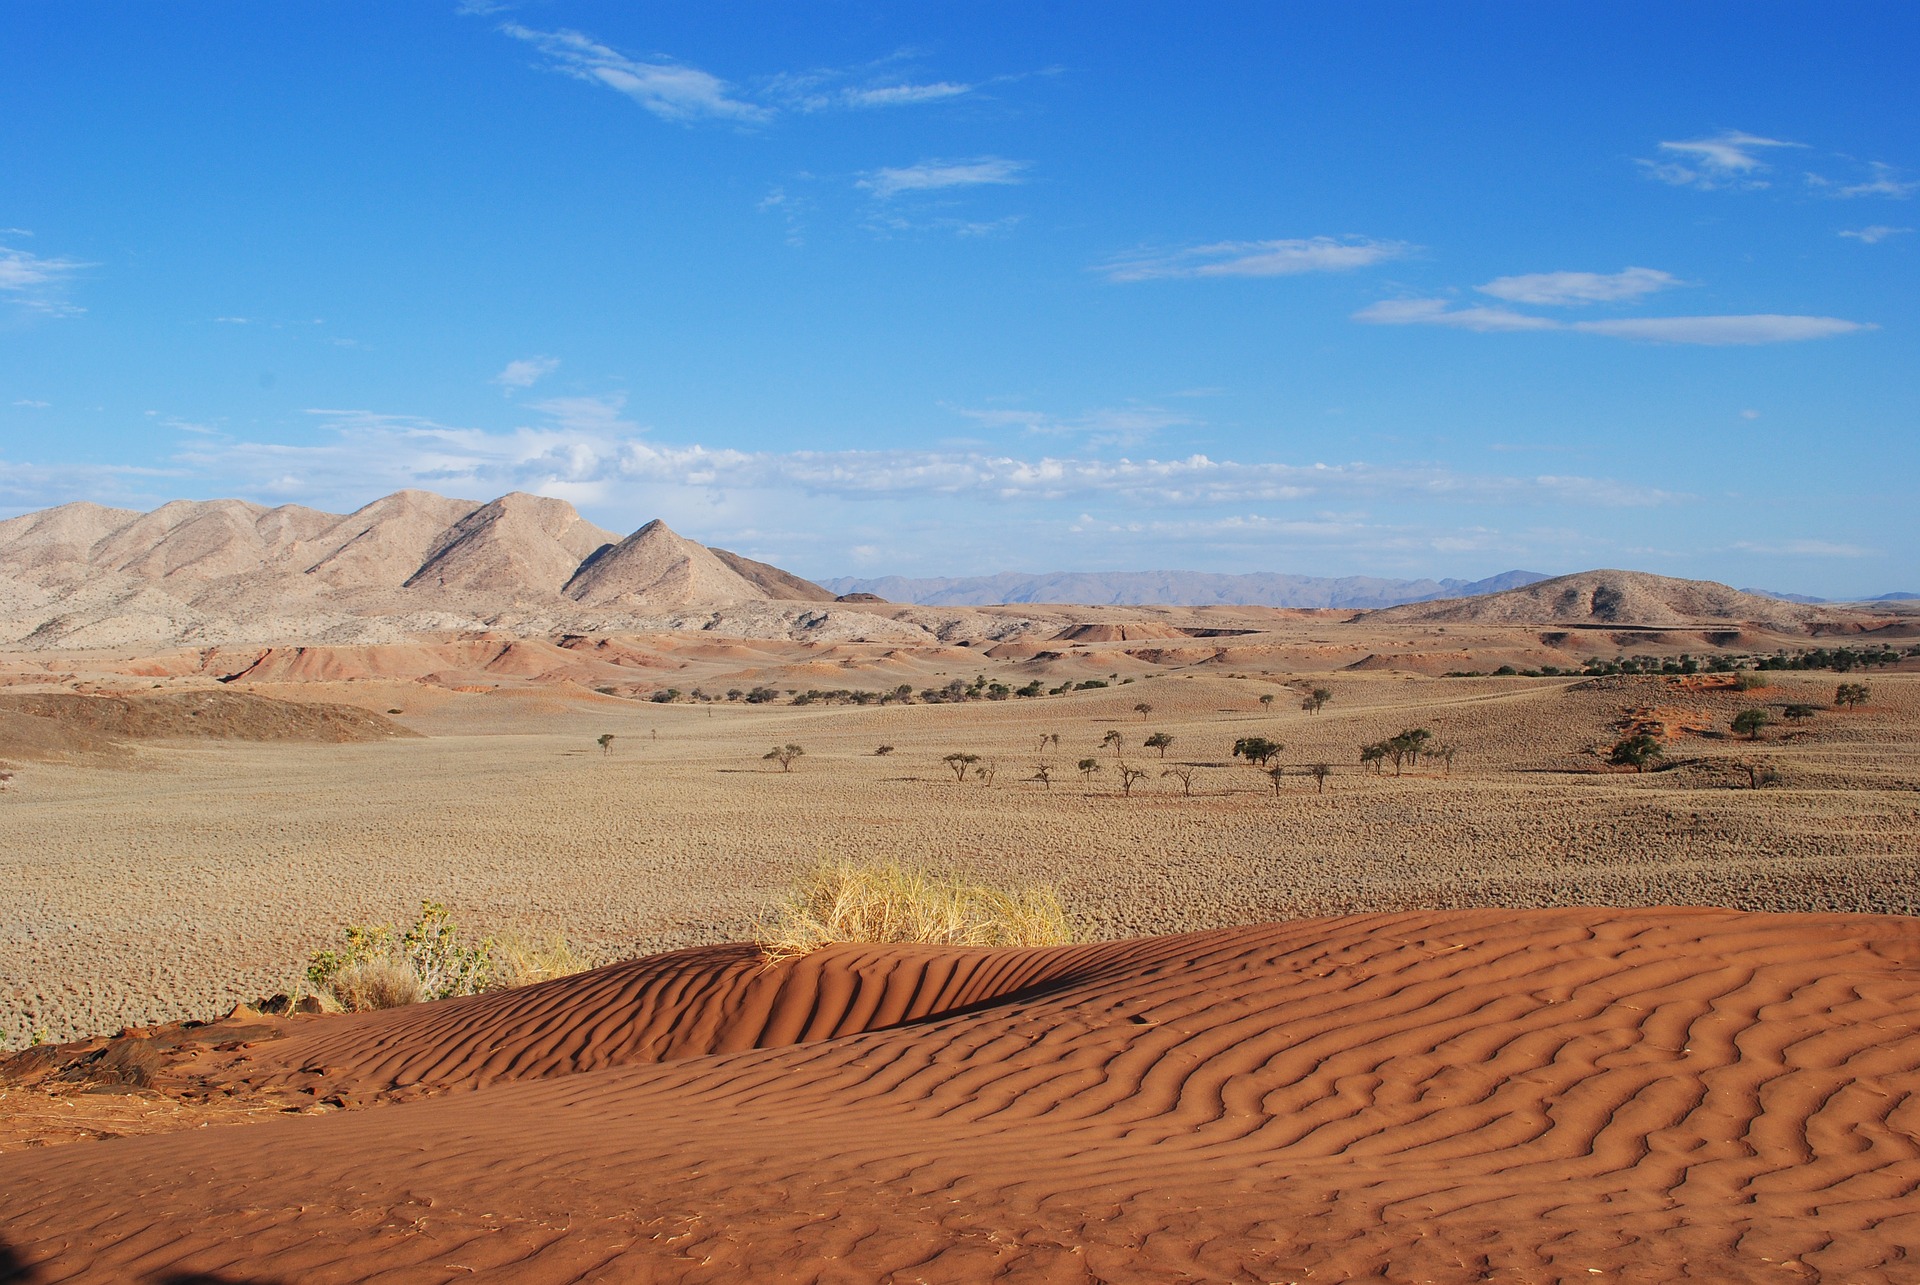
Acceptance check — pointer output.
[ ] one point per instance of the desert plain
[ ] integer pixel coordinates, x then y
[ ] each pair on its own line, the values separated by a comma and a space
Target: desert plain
1507, 1009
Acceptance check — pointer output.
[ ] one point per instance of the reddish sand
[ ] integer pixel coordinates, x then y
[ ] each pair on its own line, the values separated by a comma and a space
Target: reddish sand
1646, 1096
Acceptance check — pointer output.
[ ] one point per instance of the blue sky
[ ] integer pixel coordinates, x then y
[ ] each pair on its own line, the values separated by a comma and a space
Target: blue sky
1390, 289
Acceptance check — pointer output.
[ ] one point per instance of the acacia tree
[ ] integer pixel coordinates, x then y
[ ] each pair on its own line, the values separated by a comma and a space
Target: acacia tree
1042, 773
1445, 752
1162, 741
1320, 772
1266, 701
1087, 768
1371, 755
1182, 773
1112, 738
960, 764
1637, 751
1143, 709
1129, 777
987, 770
1049, 738
606, 742
1798, 713
1316, 698
1758, 774
1257, 750
1850, 694
784, 755
1751, 721
1274, 774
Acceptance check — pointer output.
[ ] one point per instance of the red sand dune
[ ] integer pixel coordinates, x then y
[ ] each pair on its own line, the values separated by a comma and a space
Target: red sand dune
1647, 1096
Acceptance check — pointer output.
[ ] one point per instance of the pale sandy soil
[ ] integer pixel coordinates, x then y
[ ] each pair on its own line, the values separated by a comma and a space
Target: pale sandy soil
204, 873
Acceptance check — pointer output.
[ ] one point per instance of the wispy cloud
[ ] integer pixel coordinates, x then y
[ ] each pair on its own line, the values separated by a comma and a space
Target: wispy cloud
1715, 331
933, 176
1884, 180
1275, 258
670, 90
1575, 288
903, 95
1874, 234
1754, 328
38, 283
1439, 312
1729, 159
525, 373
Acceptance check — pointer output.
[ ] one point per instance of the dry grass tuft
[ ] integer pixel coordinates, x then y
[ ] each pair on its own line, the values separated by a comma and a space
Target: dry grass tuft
517, 959
374, 983
849, 901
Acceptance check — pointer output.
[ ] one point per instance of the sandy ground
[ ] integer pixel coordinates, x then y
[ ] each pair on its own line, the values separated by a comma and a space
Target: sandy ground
1530, 1096
196, 875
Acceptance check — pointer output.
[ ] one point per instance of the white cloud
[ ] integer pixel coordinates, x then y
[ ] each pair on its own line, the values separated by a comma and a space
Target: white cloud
903, 95
585, 448
1254, 258
930, 176
1437, 312
1574, 288
670, 90
1756, 328
32, 403
1729, 159
1883, 183
1875, 234
525, 372
37, 283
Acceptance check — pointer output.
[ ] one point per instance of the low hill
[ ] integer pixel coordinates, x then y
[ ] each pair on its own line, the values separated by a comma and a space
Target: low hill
1608, 597
57, 724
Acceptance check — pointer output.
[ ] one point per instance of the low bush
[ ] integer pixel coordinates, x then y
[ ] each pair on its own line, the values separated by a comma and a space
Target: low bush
377, 968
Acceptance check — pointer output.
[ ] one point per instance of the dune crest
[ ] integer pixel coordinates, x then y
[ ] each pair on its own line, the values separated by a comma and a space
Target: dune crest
1646, 1096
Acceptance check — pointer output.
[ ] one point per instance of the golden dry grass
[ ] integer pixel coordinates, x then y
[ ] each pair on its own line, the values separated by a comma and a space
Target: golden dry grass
885, 901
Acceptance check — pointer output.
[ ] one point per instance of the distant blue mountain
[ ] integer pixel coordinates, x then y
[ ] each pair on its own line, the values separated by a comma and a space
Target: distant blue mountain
1175, 589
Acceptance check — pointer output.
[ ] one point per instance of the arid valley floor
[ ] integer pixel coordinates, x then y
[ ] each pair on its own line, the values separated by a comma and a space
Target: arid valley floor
1450, 1079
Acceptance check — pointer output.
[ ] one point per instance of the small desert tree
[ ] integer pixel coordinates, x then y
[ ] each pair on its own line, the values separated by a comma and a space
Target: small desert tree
1112, 738
987, 770
1182, 773
1130, 777
1143, 709
1758, 775
606, 742
1750, 721
1445, 752
1274, 774
1371, 755
1162, 741
1257, 750
1316, 698
1087, 768
960, 764
1847, 695
1637, 751
1049, 738
1043, 773
1798, 713
1320, 772
1266, 701
784, 755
